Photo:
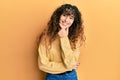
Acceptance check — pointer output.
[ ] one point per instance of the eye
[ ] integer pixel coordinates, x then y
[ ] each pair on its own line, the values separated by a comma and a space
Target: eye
71, 17
64, 15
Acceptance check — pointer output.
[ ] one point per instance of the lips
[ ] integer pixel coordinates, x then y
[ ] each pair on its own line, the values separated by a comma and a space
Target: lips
64, 23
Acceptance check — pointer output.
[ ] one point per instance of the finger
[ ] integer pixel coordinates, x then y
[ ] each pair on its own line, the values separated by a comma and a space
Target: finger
78, 63
67, 30
75, 67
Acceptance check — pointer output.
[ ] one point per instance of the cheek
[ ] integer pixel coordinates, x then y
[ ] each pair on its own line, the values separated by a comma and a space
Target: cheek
61, 17
60, 20
71, 22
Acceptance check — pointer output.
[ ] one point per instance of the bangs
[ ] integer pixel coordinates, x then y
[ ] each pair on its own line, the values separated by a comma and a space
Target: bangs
69, 12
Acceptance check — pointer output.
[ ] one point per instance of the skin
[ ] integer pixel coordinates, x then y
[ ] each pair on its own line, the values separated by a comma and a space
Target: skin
65, 22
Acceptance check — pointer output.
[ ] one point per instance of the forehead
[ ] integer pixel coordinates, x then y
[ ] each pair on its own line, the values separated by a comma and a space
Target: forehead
69, 12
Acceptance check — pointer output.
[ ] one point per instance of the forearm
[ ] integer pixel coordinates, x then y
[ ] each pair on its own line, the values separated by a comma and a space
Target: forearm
52, 67
69, 56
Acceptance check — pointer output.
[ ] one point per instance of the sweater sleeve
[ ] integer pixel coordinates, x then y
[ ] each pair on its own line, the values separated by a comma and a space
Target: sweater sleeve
49, 66
70, 57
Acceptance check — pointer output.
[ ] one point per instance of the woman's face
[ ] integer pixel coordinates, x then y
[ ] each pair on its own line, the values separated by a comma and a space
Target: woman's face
66, 21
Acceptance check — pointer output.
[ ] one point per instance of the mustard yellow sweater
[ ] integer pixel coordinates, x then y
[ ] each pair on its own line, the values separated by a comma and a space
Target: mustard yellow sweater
59, 58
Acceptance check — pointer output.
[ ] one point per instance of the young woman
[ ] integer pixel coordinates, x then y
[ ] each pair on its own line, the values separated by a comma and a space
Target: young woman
59, 46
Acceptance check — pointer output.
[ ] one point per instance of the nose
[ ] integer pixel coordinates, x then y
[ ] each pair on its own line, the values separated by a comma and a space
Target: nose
66, 18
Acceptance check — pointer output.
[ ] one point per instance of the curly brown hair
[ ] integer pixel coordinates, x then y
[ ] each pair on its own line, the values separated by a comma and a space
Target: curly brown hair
76, 30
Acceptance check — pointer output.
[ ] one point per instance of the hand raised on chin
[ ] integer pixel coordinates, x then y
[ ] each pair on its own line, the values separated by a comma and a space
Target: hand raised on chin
63, 32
